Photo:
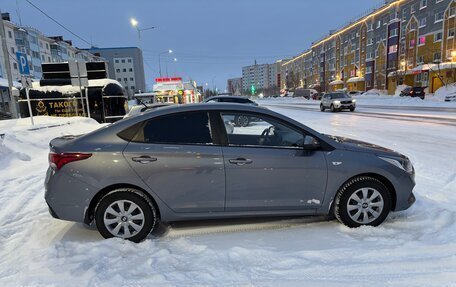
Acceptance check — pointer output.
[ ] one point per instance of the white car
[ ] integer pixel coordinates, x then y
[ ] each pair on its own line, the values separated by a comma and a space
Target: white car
337, 101
450, 97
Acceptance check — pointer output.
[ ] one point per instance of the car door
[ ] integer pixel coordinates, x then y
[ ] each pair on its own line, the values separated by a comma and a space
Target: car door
268, 169
326, 100
176, 157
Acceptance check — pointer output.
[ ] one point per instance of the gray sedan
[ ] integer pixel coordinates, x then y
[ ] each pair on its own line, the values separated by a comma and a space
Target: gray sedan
179, 163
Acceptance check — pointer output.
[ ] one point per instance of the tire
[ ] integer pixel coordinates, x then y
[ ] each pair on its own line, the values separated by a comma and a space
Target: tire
352, 109
322, 108
333, 110
135, 226
242, 121
376, 211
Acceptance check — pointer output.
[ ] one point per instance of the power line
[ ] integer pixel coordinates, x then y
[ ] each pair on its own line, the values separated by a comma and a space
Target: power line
58, 23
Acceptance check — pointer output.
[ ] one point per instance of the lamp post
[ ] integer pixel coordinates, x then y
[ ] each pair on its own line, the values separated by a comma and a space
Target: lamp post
174, 61
159, 59
135, 23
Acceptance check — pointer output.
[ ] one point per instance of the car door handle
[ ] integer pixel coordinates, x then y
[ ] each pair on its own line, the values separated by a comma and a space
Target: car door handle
144, 159
240, 161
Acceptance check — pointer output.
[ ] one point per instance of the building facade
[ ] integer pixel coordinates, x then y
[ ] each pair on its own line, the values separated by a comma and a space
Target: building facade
408, 42
260, 76
125, 65
234, 86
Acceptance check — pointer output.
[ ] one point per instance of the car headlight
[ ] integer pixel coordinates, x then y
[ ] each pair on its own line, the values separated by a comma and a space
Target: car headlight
402, 163
336, 102
353, 101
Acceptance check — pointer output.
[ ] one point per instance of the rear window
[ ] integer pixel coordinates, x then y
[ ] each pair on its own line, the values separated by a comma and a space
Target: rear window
182, 128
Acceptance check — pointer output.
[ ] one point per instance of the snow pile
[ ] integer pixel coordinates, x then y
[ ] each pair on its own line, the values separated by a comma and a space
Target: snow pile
412, 248
444, 91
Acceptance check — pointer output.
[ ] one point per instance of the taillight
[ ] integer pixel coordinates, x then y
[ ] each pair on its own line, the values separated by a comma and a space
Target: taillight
58, 160
411, 92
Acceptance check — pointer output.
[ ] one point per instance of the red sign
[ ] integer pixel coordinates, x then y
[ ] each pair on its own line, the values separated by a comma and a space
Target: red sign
163, 80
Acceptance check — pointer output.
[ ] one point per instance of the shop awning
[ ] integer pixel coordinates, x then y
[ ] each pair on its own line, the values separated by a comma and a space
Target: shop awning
336, 82
356, 79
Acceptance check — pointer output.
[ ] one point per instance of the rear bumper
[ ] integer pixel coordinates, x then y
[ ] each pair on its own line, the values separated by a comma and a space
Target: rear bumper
67, 198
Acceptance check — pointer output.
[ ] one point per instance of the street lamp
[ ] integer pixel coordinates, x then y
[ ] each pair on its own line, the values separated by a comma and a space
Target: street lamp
134, 23
159, 59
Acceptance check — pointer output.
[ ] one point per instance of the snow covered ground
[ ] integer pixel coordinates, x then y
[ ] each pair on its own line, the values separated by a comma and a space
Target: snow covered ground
412, 248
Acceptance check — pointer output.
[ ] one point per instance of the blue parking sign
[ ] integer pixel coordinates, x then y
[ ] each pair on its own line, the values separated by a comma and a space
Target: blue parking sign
22, 63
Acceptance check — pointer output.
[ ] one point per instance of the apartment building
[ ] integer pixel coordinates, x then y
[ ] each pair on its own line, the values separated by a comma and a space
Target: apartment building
38, 48
234, 86
408, 42
125, 65
260, 76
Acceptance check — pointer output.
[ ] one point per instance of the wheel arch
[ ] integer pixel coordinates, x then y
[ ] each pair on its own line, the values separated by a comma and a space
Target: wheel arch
376, 176
89, 214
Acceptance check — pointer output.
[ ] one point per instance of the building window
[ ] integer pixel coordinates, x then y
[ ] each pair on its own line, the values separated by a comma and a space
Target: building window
421, 41
15, 66
452, 12
132, 87
119, 79
451, 33
10, 35
117, 70
437, 36
392, 49
420, 60
412, 9
12, 50
423, 4
130, 70
117, 61
379, 23
437, 56
423, 22
412, 43
369, 70
123, 60
129, 60
439, 16
49, 59
124, 70
125, 80
132, 79
394, 32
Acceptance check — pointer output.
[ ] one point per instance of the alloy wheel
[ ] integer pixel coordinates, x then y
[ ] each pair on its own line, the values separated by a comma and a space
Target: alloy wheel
123, 218
365, 205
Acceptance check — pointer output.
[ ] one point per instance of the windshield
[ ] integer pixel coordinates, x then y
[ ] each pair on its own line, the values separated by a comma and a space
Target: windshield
339, 96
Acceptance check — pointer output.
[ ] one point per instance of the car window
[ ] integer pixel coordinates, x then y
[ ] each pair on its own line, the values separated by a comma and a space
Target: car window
340, 96
235, 100
213, 101
260, 131
182, 128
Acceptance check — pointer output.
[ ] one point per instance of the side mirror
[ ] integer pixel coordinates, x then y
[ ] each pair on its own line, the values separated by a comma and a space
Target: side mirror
311, 143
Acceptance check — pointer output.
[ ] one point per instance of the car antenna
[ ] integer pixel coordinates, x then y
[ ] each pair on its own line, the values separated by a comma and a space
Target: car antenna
141, 102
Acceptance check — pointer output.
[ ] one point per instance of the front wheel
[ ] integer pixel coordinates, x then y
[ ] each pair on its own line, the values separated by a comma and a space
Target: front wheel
322, 108
333, 109
127, 214
362, 201
352, 109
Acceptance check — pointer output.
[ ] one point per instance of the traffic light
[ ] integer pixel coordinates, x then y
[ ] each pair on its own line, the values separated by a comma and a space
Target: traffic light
252, 89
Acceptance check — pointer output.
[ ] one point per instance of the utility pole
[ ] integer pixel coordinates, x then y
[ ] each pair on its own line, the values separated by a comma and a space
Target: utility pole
12, 105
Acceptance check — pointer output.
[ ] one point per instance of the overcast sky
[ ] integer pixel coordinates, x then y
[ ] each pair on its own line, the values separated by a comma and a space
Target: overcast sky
212, 39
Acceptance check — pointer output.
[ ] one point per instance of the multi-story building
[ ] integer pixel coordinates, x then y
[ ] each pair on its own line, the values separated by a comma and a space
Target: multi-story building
260, 76
125, 65
408, 42
234, 86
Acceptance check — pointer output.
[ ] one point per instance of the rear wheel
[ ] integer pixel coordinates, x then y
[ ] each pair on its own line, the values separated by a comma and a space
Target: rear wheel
242, 121
322, 108
362, 201
127, 214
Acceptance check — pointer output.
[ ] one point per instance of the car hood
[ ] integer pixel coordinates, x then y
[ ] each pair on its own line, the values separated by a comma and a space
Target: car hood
342, 99
360, 146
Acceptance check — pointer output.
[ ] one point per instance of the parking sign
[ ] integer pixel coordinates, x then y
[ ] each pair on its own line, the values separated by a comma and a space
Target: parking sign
22, 63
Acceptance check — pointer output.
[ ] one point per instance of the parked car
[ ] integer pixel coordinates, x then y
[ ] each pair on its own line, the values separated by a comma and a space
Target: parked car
318, 96
179, 163
413, 92
450, 97
372, 93
337, 101
136, 110
355, 93
238, 121
305, 93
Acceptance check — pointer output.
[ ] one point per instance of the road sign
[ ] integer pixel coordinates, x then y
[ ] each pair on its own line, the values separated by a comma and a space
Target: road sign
22, 63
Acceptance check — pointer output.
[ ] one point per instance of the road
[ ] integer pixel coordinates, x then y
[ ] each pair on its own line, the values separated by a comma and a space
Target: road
430, 115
